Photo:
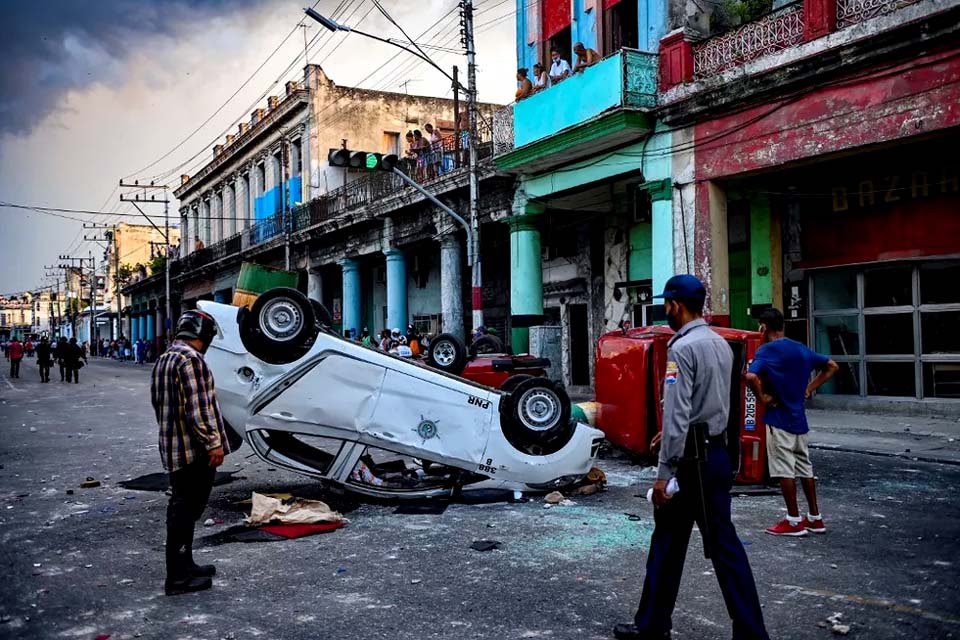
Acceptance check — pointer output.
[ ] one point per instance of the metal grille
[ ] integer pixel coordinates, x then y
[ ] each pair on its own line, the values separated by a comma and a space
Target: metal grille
639, 78
503, 130
772, 33
853, 11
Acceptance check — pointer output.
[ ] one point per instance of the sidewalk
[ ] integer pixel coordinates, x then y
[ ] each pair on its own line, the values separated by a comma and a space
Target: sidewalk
911, 437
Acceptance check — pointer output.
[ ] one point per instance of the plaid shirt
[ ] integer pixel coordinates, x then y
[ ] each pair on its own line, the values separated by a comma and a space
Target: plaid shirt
186, 407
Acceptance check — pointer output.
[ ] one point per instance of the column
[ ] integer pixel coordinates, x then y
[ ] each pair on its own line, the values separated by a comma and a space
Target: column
711, 250
151, 325
314, 285
142, 323
158, 323
351, 294
451, 286
526, 274
184, 232
134, 327
396, 289
195, 229
661, 231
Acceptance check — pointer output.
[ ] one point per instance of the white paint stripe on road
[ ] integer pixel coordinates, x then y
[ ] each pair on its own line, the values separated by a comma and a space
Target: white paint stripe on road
9, 384
867, 600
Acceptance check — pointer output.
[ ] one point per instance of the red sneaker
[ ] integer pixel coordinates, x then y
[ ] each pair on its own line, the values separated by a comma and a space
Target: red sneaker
784, 528
815, 526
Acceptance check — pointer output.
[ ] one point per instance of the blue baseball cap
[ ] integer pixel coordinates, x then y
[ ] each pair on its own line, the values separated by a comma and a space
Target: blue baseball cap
683, 287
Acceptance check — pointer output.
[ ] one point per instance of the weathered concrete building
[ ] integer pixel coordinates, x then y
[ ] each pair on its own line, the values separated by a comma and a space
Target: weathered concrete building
798, 159
369, 247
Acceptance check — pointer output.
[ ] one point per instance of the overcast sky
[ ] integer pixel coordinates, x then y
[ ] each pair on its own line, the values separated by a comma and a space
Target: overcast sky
92, 91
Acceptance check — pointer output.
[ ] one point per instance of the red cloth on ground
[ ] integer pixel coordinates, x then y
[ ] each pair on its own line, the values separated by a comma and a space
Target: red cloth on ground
291, 531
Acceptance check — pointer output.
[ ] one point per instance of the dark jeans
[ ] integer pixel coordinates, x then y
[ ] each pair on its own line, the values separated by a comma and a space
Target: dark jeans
190, 492
45, 373
63, 372
14, 367
73, 372
668, 550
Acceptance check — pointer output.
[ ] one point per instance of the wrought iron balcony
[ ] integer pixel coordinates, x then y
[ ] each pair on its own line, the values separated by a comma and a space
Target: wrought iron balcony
604, 105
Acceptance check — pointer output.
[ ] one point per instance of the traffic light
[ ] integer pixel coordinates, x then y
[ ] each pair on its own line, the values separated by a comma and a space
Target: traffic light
363, 160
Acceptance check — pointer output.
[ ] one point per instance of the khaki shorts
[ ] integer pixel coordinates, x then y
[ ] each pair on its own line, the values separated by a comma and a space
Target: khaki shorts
788, 455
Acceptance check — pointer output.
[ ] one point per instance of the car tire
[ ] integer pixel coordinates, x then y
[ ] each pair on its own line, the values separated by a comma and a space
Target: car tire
535, 417
321, 314
486, 344
447, 353
280, 326
511, 383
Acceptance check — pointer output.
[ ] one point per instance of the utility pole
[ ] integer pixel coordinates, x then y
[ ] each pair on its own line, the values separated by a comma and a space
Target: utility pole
136, 201
69, 264
456, 117
54, 309
110, 237
466, 14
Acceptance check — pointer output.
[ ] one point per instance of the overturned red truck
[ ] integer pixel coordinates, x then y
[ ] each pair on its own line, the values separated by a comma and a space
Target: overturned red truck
629, 373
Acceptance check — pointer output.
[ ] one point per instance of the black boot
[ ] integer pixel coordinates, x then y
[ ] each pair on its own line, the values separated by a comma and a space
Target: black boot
196, 570
630, 632
186, 585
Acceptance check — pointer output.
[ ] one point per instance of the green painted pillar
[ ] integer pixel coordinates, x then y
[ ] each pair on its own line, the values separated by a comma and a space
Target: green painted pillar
640, 258
526, 275
761, 254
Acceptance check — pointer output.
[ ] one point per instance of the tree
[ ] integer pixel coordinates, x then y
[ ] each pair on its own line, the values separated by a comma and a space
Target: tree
157, 264
123, 275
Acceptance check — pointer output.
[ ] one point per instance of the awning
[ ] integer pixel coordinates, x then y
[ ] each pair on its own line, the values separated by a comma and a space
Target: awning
556, 17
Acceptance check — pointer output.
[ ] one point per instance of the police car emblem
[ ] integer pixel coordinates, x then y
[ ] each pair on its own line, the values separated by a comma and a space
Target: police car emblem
427, 429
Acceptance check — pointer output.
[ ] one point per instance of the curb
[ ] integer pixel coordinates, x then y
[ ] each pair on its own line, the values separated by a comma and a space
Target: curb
884, 454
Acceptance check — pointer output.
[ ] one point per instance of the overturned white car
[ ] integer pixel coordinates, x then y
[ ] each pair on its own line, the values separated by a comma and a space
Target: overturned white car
375, 424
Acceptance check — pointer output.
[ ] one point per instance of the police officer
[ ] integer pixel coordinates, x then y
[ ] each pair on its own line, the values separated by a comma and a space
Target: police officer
696, 400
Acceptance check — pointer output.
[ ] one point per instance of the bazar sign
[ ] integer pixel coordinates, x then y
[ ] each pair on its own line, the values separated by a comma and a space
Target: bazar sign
879, 190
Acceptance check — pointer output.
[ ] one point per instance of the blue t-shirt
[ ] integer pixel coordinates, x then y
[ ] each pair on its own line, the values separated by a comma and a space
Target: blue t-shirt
785, 366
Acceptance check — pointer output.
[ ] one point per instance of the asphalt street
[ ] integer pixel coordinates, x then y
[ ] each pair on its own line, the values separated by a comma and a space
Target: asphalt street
90, 562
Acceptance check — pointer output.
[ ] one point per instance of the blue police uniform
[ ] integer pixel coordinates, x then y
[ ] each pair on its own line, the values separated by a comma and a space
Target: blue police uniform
696, 392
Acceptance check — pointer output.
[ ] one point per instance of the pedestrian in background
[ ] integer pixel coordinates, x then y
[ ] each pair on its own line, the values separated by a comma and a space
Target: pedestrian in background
193, 442
74, 358
384, 343
127, 351
780, 377
695, 413
44, 359
60, 355
15, 353
365, 337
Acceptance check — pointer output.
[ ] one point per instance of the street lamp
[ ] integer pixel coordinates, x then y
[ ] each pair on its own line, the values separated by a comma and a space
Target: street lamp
473, 233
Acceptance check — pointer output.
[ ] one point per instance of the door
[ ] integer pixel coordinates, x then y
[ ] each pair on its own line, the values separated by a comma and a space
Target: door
579, 345
738, 230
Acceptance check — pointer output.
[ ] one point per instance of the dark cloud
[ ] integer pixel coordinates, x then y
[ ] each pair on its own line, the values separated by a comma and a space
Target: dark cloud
50, 47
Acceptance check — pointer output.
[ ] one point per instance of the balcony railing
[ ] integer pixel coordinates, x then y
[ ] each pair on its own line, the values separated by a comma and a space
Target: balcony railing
625, 79
503, 130
851, 12
364, 191
773, 32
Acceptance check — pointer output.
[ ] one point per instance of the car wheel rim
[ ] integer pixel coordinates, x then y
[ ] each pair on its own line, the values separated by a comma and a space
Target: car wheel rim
539, 409
444, 353
281, 319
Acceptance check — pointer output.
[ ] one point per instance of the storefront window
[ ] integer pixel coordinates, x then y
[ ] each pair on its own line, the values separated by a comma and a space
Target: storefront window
885, 321
845, 382
941, 380
888, 287
940, 283
940, 332
835, 290
837, 335
891, 379
889, 334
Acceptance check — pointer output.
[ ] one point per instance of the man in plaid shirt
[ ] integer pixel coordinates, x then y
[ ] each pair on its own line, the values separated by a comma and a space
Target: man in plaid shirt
193, 442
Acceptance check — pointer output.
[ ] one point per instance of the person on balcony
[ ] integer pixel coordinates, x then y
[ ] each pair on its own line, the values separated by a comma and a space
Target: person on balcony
585, 57
197, 243
435, 143
560, 69
410, 155
540, 78
422, 149
526, 87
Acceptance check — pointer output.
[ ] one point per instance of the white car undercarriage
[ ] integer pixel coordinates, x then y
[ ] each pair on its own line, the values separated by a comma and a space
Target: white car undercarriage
375, 424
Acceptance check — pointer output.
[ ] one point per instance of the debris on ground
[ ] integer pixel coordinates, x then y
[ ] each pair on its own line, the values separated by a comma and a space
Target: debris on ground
485, 545
90, 483
267, 510
554, 497
834, 624
209, 522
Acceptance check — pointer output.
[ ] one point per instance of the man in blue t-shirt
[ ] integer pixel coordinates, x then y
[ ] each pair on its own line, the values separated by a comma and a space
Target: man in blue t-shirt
780, 377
